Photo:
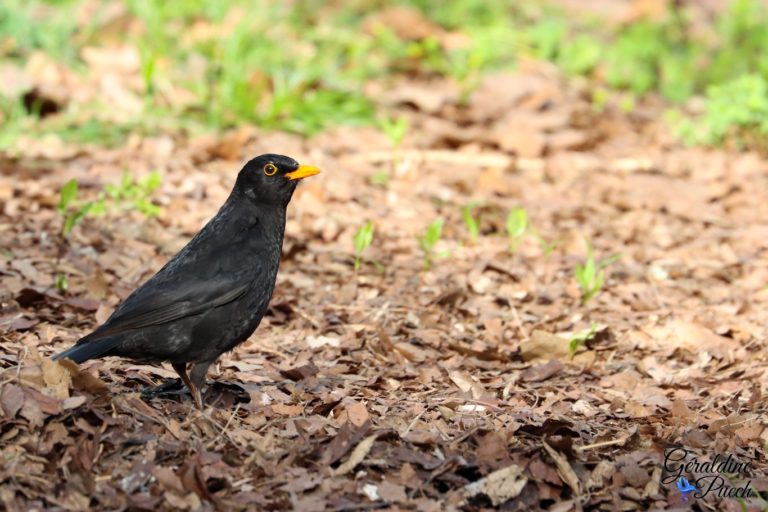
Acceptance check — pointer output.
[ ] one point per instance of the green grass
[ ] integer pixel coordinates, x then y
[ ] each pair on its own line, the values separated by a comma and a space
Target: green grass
302, 66
517, 227
427, 242
736, 110
129, 194
470, 221
26, 26
362, 239
590, 275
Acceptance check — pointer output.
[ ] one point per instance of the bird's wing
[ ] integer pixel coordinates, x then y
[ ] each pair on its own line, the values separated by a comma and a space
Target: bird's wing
156, 305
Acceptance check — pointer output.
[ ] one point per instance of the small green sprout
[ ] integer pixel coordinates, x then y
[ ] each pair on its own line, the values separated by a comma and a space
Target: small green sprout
427, 242
148, 66
363, 239
591, 274
517, 227
470, 221
547, 247
580, 339
61, 283
136, 194
394, 128
128, 194
380, 178
71, 212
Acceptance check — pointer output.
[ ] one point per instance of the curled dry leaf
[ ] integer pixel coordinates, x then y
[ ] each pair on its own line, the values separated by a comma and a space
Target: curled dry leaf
564, 469
500, 486
357, 456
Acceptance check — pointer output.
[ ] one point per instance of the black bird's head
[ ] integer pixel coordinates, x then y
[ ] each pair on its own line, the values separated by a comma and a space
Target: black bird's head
271, 179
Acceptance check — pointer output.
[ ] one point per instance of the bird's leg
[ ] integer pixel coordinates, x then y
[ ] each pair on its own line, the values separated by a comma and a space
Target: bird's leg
181, 369
197, 381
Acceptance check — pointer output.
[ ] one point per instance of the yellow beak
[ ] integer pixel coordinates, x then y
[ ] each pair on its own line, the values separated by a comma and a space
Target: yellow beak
304, 171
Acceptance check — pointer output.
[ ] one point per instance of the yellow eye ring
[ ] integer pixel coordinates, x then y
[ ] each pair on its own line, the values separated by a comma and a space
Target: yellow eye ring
270, 169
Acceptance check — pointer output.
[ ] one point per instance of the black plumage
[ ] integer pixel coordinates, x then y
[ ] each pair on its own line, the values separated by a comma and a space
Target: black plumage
211, 296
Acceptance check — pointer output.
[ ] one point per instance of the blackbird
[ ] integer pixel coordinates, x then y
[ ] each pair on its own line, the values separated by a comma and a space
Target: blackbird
211, 296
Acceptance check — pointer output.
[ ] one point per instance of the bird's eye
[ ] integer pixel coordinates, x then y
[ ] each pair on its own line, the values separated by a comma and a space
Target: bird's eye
270, 169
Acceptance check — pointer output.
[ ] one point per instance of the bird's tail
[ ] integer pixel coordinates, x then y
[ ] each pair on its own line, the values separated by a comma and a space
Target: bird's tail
88, 349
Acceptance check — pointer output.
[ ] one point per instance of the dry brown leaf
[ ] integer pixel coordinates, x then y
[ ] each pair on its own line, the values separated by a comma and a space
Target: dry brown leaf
410, 351
57, 378
564, 469
392, 493
543, 346
287, 410
356, 457
356, 413
681, 411
541, 372
600, 474
637, 410
500, 486
83, 379
11, 399
692, 337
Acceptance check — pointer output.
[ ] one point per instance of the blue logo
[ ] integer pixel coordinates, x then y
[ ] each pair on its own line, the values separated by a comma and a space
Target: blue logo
685, 486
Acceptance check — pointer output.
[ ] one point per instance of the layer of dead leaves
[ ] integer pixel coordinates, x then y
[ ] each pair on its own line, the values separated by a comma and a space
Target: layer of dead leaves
396, 387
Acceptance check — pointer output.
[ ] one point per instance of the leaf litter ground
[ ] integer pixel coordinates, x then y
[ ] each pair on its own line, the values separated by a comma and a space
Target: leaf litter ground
397, 387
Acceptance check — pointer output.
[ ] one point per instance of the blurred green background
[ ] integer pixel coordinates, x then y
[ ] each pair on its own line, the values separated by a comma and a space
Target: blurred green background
95, 71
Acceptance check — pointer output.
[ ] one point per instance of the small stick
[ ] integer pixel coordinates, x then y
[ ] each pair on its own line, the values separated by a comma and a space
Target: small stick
413, 423
226, 426
601, 444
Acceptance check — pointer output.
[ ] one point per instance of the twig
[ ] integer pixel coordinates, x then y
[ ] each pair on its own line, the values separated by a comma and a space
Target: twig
601, 444
226, 426
413, 422
308, 318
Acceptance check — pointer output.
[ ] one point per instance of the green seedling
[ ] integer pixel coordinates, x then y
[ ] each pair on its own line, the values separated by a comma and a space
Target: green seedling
134, 194
71, 212
427, 242
517, 227
546, 247
61, 283
600, 98
394, 128
148, 62
591, 274
580, 339
380, 178
128, 194
363, 239
473, 227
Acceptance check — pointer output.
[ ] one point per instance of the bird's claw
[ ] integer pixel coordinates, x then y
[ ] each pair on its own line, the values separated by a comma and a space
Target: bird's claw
173, 387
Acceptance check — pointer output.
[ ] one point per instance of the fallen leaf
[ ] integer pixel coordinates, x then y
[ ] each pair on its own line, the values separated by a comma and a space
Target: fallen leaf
392, 493
357, 455
543, 346
542, 371
287, 410
500, 486
11, 399
564, 469
57, 378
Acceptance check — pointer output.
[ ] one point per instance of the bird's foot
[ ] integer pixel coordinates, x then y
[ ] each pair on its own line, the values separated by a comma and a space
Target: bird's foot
173, 387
